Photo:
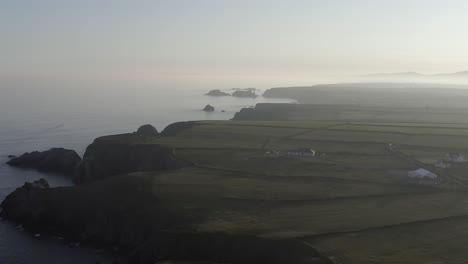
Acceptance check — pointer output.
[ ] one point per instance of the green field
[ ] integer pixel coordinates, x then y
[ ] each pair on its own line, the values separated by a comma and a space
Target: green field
353, 202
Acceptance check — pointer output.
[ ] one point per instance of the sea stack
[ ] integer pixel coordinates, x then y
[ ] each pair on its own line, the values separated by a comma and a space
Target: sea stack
209, 108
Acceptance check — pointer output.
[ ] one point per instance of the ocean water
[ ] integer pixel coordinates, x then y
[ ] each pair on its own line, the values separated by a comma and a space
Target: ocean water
33, 119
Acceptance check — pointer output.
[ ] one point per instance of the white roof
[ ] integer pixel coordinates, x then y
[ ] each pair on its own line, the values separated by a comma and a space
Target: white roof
422, 173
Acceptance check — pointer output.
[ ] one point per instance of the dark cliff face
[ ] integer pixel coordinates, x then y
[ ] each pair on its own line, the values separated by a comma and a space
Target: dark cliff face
265, 111
123, 212
119, 211
104, 158
17, 204
57, 160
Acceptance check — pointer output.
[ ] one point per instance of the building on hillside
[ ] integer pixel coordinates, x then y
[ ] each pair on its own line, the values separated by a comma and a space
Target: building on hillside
304, 152
274, 153
451, 160
455, 157
422, 174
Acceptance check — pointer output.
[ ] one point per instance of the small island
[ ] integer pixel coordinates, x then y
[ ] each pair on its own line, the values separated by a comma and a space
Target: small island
217, 93
245, 93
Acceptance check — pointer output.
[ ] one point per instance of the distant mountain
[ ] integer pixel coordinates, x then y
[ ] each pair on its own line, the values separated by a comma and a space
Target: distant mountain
397, 74
455, 77
455, 74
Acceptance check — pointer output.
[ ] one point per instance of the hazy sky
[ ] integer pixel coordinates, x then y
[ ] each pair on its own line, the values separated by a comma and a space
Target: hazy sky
264, 42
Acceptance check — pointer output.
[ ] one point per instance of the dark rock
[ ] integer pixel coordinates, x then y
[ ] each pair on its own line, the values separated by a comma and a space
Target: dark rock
147, 131
209, 108
18, 204
245, 94
11, 156
217, 93
105, 158
57, 160
176, 128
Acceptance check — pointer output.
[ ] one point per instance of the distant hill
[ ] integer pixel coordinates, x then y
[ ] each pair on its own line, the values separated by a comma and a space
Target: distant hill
455, 74
378, 94
455, 77
397, 74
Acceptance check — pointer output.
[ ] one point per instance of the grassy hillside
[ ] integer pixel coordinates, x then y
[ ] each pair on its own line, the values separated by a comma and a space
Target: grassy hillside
241, 189
353, 201
416, 114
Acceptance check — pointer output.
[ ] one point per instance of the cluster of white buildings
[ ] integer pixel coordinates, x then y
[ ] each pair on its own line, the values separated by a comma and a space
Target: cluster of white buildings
303, 152
451, 160
422, 174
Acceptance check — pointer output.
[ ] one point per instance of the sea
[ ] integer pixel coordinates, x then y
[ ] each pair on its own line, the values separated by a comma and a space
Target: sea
39, 119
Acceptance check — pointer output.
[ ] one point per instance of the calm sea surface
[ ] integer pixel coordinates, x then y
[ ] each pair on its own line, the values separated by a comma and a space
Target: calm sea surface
38, 120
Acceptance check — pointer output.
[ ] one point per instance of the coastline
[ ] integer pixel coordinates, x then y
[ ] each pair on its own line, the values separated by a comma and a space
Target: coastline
28, 132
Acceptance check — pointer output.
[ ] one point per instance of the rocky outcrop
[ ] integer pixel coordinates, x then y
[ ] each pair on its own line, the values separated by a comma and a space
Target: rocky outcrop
175, 128
217, 93
22, 205
147, 131
58, 160
245, 94
120, 211
114, 155
209, 108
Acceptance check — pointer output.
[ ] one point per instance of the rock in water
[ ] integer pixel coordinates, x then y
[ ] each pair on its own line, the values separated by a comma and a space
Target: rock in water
147, 131
209, 108
217, 93
11, 156
57, 160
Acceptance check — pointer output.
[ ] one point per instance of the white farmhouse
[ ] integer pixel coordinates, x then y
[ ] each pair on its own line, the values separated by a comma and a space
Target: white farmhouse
422, 174
302, 153
456, 157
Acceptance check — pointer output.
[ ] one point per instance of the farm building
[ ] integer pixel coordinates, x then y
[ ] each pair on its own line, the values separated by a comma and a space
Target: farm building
422, 174
273, 153
456, 157
305, 152
451, 160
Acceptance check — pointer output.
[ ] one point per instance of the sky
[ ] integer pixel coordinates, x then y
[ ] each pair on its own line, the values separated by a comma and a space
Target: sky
227, 43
